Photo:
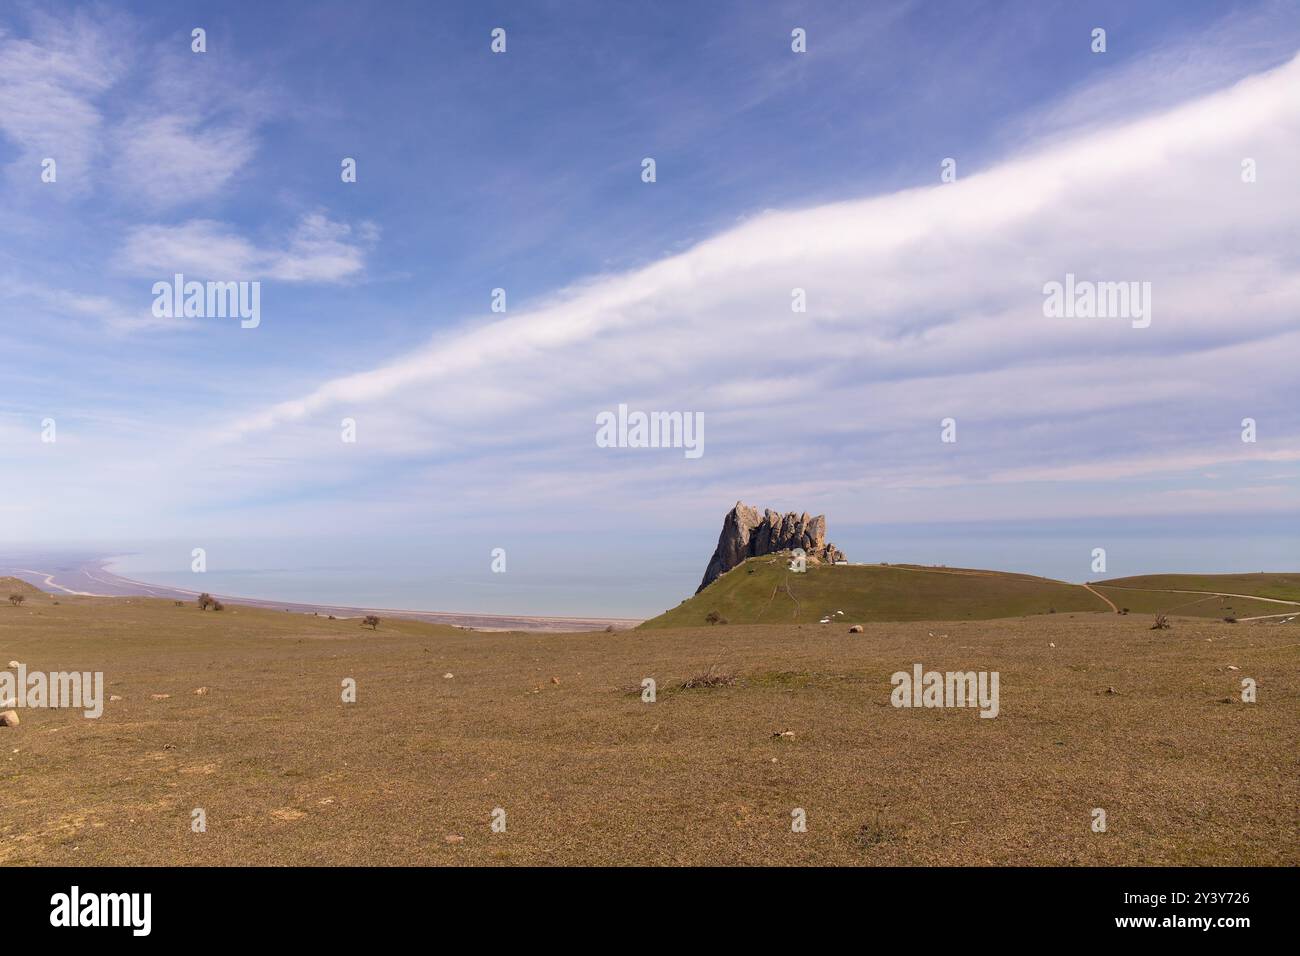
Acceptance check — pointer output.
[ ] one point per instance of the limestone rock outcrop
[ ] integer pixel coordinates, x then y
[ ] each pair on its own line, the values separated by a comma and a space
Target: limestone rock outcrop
747, 534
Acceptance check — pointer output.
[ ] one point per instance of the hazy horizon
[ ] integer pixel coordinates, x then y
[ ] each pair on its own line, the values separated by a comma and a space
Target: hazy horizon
406, 574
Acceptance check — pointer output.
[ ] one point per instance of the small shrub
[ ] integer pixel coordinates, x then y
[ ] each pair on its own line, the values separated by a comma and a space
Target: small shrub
180, 603
713, 617
713, 677
1161, 623
370, 621
217, 605
17, 599
1229, 620
205, 601
873, 833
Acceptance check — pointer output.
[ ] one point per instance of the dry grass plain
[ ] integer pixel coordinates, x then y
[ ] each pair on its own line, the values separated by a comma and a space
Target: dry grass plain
588, 774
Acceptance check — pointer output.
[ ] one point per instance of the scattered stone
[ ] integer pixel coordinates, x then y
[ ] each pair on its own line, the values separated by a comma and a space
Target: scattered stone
113, 697
856, 629
555, 680
454, 838
9, 719
449, 675
784, 733
13, 663
1233, 667
200, 692
160, 696
1110, 690
1050, 644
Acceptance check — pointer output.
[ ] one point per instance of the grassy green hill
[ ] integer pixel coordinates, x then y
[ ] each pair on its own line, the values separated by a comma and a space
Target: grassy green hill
1283, 585
764, 591
1189, 605
1206, 595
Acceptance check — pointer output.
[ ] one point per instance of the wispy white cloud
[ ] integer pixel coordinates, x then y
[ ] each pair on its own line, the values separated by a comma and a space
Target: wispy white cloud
189, 130
86, 309
173, 159
49, 86
317, 250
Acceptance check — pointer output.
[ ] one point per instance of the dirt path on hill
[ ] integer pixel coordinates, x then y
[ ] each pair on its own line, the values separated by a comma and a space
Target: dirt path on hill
1089, 587
1252, 597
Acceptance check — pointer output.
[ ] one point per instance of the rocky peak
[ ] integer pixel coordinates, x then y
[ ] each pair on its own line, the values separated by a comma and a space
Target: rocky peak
747, 534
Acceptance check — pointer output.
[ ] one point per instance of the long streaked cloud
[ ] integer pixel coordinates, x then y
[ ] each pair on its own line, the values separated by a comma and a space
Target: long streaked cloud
920, 300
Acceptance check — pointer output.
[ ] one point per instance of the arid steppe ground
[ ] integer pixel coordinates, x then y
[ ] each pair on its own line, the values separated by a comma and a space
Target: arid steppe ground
552, 729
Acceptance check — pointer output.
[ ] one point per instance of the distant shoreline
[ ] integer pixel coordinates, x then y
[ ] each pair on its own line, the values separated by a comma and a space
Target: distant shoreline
101, 582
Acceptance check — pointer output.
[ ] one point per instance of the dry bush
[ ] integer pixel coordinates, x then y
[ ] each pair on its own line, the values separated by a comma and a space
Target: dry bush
713, 677
1161, 623
370, 621
17, 599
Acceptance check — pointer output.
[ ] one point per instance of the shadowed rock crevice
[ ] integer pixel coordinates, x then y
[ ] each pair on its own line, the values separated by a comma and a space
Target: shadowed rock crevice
748, 534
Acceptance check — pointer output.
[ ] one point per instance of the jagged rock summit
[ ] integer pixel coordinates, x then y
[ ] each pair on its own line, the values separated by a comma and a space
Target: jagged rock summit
747, 534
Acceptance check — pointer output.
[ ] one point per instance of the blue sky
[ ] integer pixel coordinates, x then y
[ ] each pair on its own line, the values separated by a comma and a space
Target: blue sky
775, 170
